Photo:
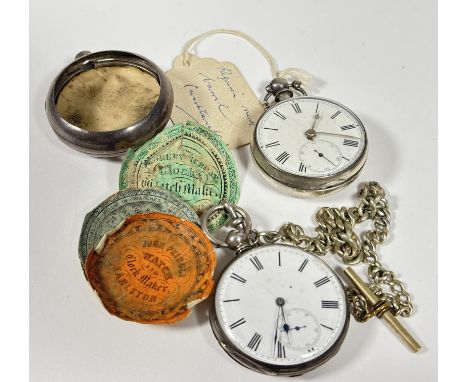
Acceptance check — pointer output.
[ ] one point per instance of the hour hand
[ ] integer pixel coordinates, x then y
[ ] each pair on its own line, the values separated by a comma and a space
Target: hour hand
311, 133
286, 327
295, 328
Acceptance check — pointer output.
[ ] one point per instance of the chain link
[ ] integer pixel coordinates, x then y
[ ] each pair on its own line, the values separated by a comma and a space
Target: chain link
335, 234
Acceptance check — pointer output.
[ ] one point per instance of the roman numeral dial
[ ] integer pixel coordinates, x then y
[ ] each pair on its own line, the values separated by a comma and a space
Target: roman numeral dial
278, 305
283, 157
309, 138
281, 350
322, 281
254, 342
279, 115
256, 263
328, 304
303, 265
350, 142
239, 322
296, 108
336, 114
272, 144
236, 277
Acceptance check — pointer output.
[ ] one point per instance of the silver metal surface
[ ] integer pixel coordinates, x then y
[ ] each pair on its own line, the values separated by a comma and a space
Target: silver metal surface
239, 227
280, 88
109, 143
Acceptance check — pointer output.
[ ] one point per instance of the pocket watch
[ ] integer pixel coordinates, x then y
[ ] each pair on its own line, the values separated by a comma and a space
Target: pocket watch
307, 146
279, 309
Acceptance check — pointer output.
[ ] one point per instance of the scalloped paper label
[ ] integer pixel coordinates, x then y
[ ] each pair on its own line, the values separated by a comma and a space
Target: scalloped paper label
214, 94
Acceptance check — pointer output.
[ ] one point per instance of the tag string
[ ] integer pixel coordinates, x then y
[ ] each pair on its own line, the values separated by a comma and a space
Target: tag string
289, 73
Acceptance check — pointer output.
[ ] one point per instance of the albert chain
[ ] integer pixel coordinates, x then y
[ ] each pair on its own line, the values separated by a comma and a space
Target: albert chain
335, 234
386, 297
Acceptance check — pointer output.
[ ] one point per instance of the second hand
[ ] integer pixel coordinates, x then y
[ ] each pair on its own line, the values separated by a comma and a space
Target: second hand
324, 157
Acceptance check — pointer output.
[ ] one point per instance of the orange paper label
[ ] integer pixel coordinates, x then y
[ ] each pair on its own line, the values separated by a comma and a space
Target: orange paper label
152, 269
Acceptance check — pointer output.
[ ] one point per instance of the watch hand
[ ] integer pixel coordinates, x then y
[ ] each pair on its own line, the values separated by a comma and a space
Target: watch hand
296, 328
311, 133
324, 157
276, 333
285, 325
337, 135
279, 301
329, 161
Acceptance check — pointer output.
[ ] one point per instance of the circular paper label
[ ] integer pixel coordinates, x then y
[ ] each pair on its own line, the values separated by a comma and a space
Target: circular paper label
112, 211
152, 269
189, 160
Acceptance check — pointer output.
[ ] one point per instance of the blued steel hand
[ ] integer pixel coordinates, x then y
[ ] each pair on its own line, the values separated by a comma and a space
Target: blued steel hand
324, 157
280, 302
285, 325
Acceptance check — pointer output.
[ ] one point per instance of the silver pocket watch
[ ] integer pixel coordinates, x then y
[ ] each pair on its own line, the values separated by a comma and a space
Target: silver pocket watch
277, 309
307, 146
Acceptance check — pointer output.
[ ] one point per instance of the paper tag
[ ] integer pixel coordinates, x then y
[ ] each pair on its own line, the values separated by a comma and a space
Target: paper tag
214, 94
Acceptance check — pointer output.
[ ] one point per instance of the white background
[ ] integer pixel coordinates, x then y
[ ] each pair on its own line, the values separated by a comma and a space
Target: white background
378, 58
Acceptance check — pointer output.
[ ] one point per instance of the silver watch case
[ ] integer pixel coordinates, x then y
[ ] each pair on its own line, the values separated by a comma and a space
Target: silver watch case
266, 368
307, 186
116, 142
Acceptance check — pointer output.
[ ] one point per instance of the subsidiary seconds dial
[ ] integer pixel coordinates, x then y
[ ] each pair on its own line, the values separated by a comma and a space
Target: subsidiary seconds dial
310, 137
321, 156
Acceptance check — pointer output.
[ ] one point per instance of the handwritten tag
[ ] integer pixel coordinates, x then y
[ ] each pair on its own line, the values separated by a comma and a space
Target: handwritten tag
214, 94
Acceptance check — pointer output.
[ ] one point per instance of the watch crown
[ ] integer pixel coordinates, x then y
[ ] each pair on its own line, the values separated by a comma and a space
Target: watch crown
236, 239
281, 89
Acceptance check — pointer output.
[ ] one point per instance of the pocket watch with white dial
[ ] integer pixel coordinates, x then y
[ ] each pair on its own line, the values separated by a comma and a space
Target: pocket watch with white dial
305, 145
279, 309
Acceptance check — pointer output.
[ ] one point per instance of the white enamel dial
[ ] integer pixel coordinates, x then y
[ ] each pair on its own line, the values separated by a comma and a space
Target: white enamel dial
310, 137
303, 329
280, 305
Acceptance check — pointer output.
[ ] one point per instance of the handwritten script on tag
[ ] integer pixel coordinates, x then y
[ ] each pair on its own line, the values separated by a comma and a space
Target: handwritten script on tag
214, 94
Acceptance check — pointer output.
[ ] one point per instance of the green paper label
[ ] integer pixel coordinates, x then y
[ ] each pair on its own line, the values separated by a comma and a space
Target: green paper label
188, 160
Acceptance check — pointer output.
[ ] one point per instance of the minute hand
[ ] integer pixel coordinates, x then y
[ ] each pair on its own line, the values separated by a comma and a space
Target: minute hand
275, 340
285, 326
337, 135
